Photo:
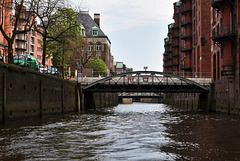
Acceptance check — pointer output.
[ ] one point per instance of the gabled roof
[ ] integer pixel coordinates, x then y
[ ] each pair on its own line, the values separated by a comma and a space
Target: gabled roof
86, 20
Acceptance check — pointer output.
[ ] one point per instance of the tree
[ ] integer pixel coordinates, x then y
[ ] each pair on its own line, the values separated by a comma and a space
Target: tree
46, 11
20, 8
98, 65
68, 39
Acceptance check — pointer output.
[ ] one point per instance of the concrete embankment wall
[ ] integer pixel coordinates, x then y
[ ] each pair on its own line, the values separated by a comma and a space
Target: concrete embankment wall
27, 93
99, 100
183, 100
227, 95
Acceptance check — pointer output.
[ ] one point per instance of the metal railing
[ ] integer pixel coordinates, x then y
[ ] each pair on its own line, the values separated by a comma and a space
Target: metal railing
227, 30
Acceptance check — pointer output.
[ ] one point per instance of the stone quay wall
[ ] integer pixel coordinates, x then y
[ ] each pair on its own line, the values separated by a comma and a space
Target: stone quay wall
99, 100
26, 93
183, 100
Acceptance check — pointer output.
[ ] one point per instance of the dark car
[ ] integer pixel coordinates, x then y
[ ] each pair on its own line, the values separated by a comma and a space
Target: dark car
1, 58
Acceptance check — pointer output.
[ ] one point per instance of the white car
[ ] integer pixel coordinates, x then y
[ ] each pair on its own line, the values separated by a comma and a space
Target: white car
43, 69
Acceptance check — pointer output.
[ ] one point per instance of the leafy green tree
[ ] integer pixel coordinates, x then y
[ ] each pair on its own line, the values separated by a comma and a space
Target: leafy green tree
64, 37
56, 20
98, 65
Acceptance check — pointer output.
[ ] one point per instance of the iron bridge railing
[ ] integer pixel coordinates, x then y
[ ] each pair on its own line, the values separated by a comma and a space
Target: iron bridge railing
146, 81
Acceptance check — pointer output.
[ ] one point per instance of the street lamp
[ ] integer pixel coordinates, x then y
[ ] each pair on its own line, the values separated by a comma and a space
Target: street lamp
145, 68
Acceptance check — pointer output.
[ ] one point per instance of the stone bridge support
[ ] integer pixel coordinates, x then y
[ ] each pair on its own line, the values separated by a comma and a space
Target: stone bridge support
94, 100
203, 102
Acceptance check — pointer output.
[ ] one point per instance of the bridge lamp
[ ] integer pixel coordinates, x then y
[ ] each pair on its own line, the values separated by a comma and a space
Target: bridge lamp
145, 68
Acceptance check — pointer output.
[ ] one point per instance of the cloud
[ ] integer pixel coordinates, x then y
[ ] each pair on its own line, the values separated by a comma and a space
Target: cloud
124, 14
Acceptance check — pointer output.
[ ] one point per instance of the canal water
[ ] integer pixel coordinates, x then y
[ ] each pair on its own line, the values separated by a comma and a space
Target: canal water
134, 132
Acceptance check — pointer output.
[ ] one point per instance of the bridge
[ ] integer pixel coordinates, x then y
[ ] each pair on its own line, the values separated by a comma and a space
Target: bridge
147, 81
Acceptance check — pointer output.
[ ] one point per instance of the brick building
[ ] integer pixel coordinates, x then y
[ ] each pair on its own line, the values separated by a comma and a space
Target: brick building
97, 43
225, 19
188, 45
27, 43
209, 47
7, 11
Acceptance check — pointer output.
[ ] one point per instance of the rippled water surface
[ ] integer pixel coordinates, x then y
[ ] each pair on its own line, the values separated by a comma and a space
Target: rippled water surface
136, 132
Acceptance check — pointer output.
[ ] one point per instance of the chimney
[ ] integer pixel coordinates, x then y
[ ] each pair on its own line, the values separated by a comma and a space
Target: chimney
97, 18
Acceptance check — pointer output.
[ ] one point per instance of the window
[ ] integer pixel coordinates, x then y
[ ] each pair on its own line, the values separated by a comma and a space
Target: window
90, 47
32, 40
83, 32
94, 33
99, 47
39, 49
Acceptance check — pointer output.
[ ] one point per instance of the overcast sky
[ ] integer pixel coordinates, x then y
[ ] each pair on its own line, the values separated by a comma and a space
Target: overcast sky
136, 29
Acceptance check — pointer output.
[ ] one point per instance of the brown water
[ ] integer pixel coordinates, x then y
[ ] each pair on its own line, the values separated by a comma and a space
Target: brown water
135, 132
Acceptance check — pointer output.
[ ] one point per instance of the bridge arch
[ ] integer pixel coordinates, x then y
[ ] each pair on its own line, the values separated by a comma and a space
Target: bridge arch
146, 81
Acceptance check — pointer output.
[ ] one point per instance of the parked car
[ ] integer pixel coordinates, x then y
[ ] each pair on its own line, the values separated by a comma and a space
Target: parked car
1, 58
54, 71
27, 61
43, 69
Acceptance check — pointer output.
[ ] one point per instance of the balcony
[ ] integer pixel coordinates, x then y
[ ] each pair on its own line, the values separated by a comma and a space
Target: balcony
186, 66
175, 26
169, 50
19, 38
168, 43
186, 35
165, 59
175, 54
218, 35
175, 35
175, 45
21, 48
218, 4
186, 22
186, 9
183, 1
186, 48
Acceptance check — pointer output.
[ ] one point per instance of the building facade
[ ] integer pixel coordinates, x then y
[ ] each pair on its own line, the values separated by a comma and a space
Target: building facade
96, 42
209, 47
225, 20
188, 45
26, 43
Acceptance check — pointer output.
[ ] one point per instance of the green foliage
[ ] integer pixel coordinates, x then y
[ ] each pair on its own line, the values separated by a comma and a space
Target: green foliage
98, 65
64, 36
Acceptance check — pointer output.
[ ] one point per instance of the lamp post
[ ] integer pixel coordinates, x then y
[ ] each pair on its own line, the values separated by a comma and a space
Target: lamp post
145, 68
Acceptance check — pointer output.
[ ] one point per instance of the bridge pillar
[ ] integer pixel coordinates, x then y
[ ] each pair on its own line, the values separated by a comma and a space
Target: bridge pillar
203, 102
89, 102
81, 97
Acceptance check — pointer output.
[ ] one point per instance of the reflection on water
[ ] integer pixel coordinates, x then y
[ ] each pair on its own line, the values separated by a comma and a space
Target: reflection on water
136, 131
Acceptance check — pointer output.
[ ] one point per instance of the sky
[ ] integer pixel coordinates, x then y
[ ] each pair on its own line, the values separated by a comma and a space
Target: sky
136, 29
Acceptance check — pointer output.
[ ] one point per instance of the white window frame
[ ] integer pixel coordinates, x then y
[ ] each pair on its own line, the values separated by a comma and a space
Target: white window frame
94, 33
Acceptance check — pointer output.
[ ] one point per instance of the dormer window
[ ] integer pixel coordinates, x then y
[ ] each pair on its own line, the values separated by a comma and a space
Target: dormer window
83, 30
94, 31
